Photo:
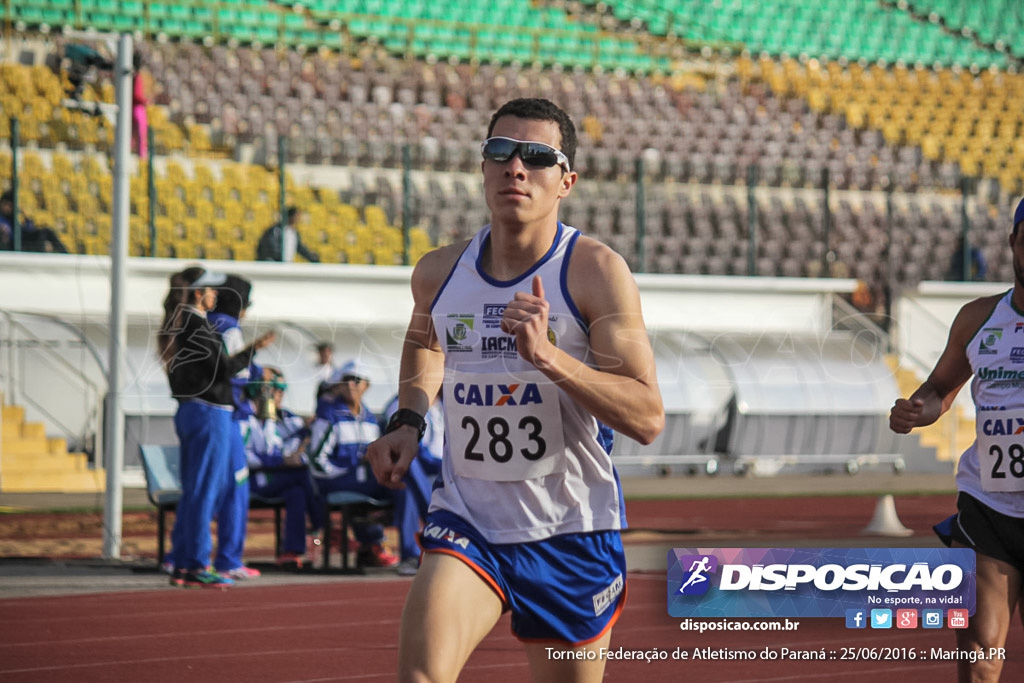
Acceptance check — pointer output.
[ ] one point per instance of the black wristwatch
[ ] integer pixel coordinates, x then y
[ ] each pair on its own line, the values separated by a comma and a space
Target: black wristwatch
404, 416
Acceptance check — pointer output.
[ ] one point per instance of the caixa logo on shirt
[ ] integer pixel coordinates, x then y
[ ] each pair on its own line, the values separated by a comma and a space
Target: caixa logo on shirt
522, 394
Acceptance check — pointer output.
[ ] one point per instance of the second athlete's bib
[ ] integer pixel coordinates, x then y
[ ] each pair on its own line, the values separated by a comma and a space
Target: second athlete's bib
1000, 446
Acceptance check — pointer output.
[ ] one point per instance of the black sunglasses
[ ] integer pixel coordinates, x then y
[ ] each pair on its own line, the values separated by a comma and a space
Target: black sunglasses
535, 154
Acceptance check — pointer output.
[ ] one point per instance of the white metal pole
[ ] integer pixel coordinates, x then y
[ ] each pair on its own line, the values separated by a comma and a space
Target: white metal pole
113, 437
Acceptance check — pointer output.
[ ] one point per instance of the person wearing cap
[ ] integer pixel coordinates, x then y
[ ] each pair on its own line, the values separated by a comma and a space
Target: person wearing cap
536, 334
984, 342
343, 428
275, 443
199, 371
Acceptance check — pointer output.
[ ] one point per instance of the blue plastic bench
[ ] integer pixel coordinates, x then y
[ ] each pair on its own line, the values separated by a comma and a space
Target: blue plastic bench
162, 465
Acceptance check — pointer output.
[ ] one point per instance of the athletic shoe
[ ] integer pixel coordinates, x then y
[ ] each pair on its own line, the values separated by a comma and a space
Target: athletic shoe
167, 568
202, 578
242, 573
376, 556
177, 577
291, 559
409, 566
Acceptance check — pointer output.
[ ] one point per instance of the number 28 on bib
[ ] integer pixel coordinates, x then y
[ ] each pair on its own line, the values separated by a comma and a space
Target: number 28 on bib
1001, 450
504, 428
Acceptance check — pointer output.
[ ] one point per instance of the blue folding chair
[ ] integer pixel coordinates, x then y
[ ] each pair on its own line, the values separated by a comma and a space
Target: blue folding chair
162, 465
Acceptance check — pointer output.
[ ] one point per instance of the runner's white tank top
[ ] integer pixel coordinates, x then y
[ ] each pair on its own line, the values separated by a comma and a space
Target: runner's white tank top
522, 460
992, 469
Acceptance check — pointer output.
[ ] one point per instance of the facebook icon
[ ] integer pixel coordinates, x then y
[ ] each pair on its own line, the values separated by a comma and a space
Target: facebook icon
856, 618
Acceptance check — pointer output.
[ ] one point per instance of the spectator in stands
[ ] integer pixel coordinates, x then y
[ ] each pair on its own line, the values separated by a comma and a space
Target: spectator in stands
324, 368
537, 334
343, 428
33, 237
81, 60
419, 480
275, 239
977, 266
990, 484
140, 120
275, 443
233, 300
199, 371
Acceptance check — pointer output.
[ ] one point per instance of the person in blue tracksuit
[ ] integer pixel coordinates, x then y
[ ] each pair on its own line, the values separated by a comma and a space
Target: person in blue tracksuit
199, 372
275, 441
343, 428
233, 300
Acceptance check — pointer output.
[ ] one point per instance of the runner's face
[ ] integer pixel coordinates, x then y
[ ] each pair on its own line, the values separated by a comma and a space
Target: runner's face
517, 193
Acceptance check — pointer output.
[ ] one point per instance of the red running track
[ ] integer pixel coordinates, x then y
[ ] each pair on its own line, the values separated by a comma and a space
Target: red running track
347, 629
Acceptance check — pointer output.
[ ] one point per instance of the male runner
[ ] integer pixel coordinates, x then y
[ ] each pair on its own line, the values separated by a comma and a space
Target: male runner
536, 334
985, 341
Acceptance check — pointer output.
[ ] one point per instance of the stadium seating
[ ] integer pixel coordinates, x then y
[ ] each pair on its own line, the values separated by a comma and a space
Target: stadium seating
832, 29
871, 125
996, 23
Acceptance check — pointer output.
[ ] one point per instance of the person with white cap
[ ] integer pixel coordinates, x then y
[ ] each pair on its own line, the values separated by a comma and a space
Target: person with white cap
343, 428
984, 343
199, 372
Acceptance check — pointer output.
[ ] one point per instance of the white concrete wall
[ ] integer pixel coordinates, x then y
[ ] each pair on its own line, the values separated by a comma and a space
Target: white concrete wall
362, 309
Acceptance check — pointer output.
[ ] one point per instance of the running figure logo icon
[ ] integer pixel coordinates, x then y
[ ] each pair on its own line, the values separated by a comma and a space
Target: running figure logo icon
696, 581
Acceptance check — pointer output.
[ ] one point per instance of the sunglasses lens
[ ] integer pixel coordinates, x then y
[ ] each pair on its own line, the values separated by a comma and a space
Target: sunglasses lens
534, 154
499, 149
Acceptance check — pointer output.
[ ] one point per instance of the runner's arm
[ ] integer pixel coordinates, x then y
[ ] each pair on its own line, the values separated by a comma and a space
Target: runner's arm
622, 390
422, 368
935, 396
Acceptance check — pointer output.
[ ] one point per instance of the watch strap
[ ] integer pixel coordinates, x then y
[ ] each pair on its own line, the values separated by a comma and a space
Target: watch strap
404, 416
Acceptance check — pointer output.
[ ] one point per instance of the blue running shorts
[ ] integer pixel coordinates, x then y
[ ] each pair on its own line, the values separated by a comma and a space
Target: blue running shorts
569, 588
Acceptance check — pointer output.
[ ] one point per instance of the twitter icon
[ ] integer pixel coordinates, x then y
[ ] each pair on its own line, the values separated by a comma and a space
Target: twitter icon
881, 618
